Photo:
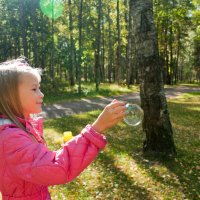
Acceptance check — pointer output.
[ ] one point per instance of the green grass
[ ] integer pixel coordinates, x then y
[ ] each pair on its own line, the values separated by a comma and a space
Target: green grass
190, 84
183, 84
122, 172
88, 90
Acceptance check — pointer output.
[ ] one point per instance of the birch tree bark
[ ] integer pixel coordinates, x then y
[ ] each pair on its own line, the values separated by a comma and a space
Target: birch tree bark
156, 123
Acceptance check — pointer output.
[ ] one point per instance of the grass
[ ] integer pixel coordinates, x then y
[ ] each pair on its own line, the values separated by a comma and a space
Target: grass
88, 90
122, 172
190, 84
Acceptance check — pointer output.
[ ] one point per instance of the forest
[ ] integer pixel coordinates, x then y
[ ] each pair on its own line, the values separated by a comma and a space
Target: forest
150, 46
77, 41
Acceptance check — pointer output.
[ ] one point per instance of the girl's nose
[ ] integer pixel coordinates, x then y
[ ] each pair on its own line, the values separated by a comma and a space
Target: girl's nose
41, 95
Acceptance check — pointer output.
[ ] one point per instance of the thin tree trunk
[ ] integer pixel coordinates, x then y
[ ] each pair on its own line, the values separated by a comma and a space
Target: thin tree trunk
166, 55
177, 77
23, 27
71, 54
102, 63
129, 46
118, 64
171, 55
80, 46
52, 46
110, 54
98, 46
35, 39
43, 54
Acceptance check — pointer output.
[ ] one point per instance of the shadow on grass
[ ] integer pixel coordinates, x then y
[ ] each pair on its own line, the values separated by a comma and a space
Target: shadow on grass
125, 182
104, 160
185, 167
183, 171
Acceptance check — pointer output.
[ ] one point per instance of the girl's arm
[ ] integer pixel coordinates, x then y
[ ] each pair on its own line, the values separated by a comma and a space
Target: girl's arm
33, 162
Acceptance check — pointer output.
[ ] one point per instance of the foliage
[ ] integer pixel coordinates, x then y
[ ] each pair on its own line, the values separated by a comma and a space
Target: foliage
173, 20
196, 39
54, 44
122, 171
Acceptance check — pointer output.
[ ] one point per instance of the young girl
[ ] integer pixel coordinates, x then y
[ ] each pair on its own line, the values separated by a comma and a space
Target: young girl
27, 167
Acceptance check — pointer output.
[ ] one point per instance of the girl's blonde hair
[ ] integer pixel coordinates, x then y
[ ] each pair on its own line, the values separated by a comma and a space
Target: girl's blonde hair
10, 72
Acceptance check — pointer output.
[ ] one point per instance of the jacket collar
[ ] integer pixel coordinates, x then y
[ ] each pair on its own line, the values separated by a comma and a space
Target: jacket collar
5, 120
33, 126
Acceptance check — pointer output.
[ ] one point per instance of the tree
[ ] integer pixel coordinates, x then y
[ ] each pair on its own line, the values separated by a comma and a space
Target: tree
80, 45
118, 58
71, 53
23, 21
156, 122
196, 22
91, 37
173, 20
98, 46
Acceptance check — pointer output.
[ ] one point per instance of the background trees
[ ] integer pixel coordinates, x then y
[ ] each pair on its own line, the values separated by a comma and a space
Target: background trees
196, 39
93, 40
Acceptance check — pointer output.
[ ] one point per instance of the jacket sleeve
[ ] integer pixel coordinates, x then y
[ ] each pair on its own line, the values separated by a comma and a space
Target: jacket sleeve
34, 163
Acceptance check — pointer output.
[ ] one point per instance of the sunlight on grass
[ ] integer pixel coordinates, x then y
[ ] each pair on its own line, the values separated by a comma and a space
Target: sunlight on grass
121, 171
190, 84
88, 91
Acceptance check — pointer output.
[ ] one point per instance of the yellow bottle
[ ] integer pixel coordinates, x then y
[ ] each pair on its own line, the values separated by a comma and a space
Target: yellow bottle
67, 135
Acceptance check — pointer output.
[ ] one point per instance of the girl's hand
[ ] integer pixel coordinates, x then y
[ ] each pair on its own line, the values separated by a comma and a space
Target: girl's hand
111, 115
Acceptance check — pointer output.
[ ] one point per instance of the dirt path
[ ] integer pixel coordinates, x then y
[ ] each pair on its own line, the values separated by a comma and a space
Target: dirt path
58, 110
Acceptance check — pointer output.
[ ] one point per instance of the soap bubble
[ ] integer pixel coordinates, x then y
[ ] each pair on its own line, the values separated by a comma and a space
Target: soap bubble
52, 8
134, 114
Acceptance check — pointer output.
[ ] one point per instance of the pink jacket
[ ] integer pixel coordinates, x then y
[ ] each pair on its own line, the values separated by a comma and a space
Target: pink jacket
27, 167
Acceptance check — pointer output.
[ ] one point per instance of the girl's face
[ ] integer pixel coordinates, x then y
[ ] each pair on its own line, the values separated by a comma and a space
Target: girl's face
30, 96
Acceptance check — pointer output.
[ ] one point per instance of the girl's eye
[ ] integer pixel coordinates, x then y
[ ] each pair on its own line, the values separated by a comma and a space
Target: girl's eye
34, 89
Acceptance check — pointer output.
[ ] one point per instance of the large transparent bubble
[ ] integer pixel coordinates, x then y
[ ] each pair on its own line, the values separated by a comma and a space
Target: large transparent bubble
134, 114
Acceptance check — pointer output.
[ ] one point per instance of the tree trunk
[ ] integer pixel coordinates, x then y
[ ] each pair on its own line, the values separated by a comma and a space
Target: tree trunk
177, 74
129, 67
80, 46
118, 64
98, 46
156, 122
23, 27
71, 53
34, 36
102, 62
166, 54
171, 55
110, 52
